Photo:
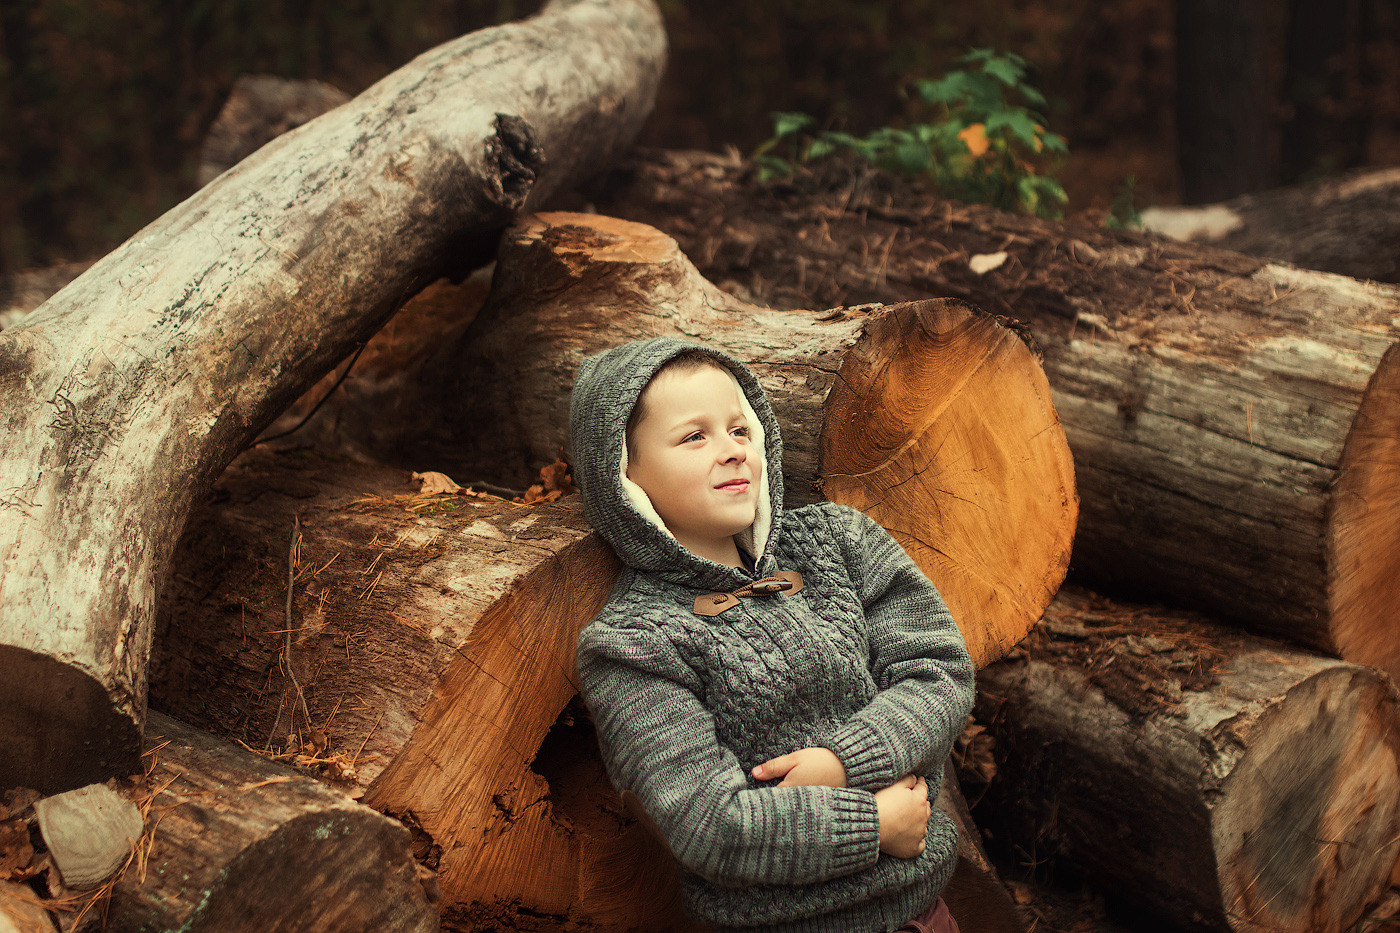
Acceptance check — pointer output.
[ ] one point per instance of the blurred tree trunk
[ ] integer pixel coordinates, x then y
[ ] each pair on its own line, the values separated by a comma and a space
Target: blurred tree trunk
1222, 100
1328, 129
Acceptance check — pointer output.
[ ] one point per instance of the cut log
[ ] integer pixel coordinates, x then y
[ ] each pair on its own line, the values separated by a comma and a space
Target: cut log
930, 417
445, 636
240, 843
125, 394
433, 641
1211, 778
1233, 422
1348, 224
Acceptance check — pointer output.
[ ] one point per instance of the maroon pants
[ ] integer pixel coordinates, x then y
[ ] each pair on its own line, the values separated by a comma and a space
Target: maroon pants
934, 920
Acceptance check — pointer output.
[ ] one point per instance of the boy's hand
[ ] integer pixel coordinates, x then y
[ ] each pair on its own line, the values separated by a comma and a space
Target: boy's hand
804, 767
904, 814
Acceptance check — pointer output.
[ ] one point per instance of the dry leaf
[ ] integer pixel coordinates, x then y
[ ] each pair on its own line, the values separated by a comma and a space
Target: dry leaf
983, 263
975, 138
16, 852
434, 483
555, 482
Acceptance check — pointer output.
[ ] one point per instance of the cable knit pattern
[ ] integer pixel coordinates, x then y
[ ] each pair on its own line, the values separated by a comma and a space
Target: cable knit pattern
864, 660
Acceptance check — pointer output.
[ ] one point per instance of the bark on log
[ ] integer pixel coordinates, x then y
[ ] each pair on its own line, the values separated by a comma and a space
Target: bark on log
1349, 225
128, 391
416, 640
930, 417
239, 843
1233, 422
1211, 778
435, 652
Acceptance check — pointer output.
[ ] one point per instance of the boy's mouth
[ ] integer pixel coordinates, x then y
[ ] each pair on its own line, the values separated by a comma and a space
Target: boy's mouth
738, 485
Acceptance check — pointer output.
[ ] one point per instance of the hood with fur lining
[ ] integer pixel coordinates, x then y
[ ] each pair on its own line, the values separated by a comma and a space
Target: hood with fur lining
605, 392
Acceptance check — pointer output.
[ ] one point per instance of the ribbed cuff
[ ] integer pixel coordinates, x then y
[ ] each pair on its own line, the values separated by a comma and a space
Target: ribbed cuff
855, 831
865, 757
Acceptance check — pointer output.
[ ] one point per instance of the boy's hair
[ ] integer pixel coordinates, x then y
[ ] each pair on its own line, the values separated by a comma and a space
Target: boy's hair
687, 361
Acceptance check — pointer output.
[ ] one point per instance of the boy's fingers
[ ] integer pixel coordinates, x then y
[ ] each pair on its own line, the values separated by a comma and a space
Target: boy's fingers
773, 767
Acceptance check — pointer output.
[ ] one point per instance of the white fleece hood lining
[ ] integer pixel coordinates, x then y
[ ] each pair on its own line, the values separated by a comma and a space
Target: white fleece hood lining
752, 539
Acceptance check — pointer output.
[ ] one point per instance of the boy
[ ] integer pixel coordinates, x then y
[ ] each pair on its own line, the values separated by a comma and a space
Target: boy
779, 690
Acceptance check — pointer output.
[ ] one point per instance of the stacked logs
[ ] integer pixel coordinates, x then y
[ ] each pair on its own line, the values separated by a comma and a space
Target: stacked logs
433, 641
1233, 425
414, 651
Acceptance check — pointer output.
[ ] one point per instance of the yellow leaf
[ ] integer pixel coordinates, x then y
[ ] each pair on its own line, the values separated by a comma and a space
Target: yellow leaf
975, 139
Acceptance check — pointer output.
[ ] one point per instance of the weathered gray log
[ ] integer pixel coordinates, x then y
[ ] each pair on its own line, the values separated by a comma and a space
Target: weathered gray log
241, 843
1207, 777
1349, 224
128, 391
1233, 421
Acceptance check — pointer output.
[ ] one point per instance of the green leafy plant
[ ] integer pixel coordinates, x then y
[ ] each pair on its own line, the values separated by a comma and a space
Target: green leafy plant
1123, 213
984, 142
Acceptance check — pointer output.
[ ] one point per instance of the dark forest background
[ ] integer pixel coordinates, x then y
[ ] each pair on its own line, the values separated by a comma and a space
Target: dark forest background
104, 103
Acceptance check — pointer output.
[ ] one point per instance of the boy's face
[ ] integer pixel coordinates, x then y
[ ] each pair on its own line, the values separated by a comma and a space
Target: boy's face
692, 456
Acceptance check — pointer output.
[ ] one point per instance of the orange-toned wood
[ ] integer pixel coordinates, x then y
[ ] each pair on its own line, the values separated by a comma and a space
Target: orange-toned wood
944, 393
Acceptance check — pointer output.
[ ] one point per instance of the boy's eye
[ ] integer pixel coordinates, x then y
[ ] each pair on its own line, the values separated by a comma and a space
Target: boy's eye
693, 436
741, 431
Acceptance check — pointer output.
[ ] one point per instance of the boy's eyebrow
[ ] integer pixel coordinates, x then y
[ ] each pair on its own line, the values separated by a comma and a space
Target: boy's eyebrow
697, 419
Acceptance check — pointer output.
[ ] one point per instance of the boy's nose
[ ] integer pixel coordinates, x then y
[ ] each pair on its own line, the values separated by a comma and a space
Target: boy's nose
736, 451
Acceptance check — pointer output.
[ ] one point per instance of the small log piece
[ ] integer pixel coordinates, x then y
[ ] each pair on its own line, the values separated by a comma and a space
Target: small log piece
930, 417
89, 833
241, 843
128, 391
1205, 776
1233, 421
975, 895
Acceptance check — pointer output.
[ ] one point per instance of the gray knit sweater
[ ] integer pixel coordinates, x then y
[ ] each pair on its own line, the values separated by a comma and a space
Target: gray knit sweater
864, 660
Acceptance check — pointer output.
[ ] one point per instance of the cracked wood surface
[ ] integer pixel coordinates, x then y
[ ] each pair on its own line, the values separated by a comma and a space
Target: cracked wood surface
434, 640
128, 391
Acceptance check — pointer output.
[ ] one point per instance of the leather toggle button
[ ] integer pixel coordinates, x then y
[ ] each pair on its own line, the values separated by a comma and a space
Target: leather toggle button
712, 604
784, 581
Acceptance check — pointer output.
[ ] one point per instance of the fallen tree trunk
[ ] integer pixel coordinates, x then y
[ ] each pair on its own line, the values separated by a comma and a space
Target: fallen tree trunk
1232, 421
128, 391
239, 843
929, 417
444, 636
1205, 776
1345, 224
